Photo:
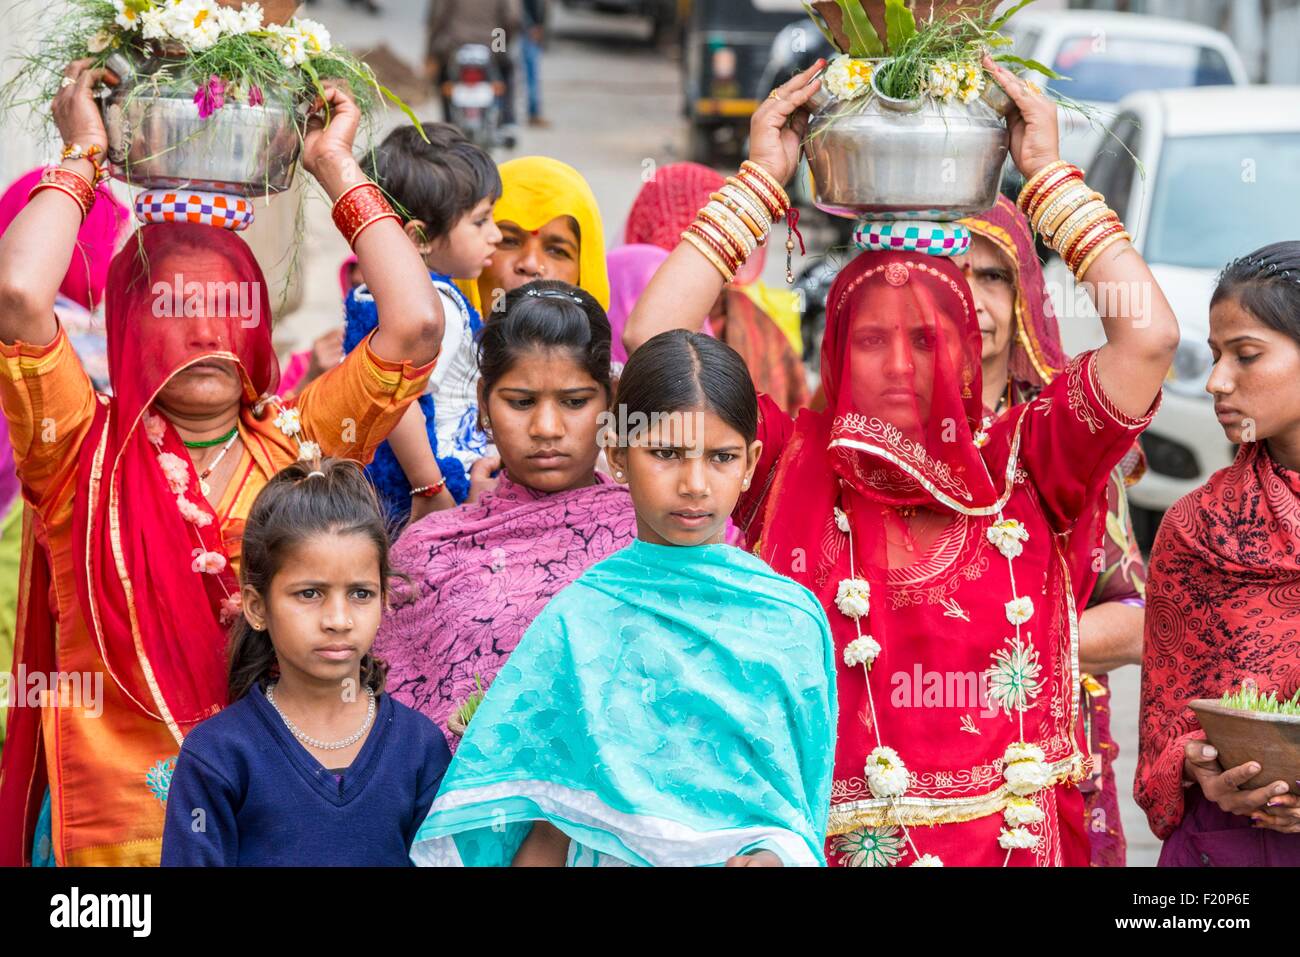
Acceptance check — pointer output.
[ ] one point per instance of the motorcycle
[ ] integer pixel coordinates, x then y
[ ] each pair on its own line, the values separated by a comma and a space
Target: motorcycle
472, 92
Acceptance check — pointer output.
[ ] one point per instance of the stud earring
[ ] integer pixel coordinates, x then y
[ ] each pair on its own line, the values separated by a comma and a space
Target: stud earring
618, 474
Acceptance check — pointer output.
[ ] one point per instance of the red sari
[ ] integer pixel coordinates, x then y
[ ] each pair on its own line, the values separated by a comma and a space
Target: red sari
1223, 605
1036, 358
901, 370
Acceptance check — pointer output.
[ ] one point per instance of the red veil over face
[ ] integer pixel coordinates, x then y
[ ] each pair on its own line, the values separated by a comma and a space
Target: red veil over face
901, 371
177, 294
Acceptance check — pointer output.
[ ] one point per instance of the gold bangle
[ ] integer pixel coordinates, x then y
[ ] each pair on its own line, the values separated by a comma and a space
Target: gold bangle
712, 230
1092, 256
769, 180
1077, 253
1083, 217
728, 222
763, 191
1031, 185
1069, 243
707, 253
753, 195
740, 213
742, 196
1080, 242
1061, 207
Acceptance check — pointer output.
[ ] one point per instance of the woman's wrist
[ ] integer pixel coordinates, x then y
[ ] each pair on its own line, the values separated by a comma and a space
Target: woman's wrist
338, 174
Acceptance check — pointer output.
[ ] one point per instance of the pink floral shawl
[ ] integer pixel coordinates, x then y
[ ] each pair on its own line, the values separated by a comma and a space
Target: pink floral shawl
479, 576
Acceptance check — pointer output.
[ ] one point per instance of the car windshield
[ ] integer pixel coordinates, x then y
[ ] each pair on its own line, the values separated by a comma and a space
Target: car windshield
1105, 69
1219, 197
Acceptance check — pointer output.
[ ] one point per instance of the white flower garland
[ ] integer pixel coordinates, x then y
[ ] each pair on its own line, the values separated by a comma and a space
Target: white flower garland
1025, 768
861, 651
887, 776
853, 597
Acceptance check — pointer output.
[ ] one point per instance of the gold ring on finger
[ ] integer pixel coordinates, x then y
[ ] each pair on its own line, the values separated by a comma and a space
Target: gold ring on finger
775, 95
66, 82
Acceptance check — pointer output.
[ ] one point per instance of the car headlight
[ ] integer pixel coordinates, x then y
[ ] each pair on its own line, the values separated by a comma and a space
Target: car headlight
1191, 369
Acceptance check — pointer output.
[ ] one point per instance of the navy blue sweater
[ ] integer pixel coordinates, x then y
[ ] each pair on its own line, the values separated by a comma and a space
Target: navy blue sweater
245, 792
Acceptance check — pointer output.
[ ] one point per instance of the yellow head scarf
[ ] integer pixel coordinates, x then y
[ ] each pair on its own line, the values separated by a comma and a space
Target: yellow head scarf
537, 189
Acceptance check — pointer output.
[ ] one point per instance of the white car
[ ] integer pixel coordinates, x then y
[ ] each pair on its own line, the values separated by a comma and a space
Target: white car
1106, 56
1220, 165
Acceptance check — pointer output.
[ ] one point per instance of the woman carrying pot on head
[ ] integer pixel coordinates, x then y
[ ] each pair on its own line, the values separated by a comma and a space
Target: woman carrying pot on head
665, 206
1223, 602
140, 499
1020, 354
931, 540
482, 572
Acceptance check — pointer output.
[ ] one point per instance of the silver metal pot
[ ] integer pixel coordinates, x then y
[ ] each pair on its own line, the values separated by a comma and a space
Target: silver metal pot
889, 159
157, 141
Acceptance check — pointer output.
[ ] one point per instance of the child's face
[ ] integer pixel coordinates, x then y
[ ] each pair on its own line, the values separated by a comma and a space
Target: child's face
544, 416
522, 256
322, 608
467, 249
686, 472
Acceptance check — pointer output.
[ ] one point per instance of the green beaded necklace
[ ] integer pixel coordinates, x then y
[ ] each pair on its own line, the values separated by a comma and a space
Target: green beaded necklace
209, 443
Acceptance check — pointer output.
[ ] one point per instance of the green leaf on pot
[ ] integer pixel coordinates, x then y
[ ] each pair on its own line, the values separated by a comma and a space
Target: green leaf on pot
900, 24
864, 41
821, 25
1001, 21
1028, 64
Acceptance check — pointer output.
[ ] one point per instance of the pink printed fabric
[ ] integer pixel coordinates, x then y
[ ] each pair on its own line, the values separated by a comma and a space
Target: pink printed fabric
479, 576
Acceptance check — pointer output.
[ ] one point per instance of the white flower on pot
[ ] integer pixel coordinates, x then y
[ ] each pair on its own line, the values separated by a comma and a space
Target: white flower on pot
846, 77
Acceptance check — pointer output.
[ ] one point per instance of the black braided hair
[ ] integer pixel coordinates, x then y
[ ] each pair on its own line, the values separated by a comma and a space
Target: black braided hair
1266, 283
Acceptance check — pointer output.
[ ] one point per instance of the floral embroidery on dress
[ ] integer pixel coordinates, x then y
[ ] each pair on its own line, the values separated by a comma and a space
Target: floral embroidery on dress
1013, 677
870, 846
159, 779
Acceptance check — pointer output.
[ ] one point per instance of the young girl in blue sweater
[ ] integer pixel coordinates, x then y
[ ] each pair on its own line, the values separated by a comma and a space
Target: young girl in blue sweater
311, 763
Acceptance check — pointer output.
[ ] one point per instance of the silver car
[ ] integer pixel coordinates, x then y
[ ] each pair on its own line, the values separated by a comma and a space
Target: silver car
1220, 166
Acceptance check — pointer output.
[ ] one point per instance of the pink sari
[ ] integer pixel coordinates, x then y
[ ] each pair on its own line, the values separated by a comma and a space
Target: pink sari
479, 575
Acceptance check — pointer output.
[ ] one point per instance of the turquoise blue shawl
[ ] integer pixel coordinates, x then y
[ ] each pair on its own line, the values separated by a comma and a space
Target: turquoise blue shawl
673, 706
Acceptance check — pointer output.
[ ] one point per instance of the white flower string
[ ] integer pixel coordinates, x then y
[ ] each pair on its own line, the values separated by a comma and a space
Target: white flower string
1014, 675
176, 471
1013, 680
886, 774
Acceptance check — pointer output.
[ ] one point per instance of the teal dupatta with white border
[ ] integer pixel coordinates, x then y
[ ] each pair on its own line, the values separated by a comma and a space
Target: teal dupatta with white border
673, 706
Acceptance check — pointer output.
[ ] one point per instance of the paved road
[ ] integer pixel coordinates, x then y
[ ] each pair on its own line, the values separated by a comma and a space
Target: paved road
614, 102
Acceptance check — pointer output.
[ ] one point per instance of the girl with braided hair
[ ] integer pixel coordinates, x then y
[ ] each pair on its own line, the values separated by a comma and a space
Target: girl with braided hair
1223, 599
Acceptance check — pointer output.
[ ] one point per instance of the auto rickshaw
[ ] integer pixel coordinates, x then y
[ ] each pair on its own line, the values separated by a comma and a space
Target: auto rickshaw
726, 45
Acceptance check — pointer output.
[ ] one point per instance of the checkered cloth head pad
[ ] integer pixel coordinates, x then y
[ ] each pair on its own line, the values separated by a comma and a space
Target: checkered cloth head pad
937, 239
194, 206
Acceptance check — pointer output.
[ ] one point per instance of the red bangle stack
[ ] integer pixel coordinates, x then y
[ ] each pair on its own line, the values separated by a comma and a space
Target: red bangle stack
71, 184
360, 207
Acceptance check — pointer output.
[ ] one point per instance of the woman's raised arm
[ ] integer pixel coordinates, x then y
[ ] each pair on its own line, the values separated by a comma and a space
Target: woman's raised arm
686, 286
37, 248
1141, 330
410, 315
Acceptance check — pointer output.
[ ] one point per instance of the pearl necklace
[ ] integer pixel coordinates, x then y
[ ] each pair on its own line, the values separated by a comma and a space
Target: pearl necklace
315, 742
